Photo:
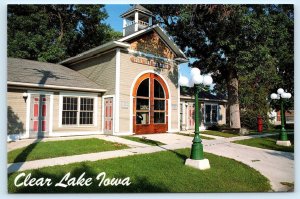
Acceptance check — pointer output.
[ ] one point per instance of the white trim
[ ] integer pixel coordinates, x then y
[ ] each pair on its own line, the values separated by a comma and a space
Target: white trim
30, 92
78, 96
55, 87
131, 98
28, 101
117, 92
113, 125
136, 21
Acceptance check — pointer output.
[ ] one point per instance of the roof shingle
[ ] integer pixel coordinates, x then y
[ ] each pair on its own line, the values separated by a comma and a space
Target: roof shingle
42, 73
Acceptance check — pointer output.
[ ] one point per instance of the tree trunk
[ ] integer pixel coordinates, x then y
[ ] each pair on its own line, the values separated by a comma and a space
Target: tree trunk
233, 99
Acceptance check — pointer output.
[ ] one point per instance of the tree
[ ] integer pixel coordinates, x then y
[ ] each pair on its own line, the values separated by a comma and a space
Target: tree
236, 43
54, 32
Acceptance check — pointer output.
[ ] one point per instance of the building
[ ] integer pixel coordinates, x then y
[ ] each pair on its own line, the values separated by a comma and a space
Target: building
212, 110
128, 86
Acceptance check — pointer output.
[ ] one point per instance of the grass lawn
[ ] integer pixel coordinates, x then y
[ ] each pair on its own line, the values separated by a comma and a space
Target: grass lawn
269, 131
268, 143
157, 172
50, 149
144, 141
219, 133
192, 135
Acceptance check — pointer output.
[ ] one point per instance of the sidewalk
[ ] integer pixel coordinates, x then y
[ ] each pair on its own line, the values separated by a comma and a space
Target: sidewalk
277, 166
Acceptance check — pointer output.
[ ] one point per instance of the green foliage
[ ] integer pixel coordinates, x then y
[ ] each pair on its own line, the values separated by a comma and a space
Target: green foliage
157, 172
54, 32
253, 43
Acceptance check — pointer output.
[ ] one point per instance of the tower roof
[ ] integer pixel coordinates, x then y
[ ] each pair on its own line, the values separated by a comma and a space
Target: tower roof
137, 7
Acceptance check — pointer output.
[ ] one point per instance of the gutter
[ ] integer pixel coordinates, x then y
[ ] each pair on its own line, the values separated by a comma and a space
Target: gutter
55, 87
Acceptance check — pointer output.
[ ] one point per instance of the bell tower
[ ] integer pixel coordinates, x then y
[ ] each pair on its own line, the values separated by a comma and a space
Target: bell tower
135, 19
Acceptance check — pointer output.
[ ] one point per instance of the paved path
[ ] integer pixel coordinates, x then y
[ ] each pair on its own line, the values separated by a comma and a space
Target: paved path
276, 166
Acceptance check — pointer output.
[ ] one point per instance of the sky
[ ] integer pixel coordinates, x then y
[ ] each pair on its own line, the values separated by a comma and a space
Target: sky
115, 21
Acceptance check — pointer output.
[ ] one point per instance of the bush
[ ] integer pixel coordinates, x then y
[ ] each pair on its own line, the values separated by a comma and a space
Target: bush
214, 127
249, 120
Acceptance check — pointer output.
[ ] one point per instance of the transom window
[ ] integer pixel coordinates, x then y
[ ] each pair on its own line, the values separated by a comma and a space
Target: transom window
78, 111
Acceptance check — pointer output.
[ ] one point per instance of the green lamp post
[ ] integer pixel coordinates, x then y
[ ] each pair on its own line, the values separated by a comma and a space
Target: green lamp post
196, 159
281, 95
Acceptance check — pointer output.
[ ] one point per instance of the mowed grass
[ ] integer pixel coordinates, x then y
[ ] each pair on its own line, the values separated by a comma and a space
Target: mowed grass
143, 140
219, 133
50, 149
268, 143
157, 172
192, 135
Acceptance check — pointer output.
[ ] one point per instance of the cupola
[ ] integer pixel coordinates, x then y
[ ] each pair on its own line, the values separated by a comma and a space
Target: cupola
135, 19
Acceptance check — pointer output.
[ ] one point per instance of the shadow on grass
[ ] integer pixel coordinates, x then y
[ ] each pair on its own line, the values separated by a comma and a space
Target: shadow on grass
138, 183
22, 157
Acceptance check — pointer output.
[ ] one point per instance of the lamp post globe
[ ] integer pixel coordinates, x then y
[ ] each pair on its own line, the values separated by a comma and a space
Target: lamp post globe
207, 80
280, 91
197, 79
183, 81
195, 71
273, 96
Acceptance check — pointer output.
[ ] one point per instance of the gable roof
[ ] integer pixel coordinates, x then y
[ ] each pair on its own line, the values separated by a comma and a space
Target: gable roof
139, 8
163, 35
22, 72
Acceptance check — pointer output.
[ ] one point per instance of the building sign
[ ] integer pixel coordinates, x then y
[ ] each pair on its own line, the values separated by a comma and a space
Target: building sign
150, 62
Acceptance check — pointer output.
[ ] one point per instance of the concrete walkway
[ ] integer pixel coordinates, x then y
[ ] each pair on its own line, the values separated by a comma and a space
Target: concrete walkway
277, 166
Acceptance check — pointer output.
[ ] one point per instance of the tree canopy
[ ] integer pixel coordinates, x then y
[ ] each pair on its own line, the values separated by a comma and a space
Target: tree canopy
54, 32
248, 49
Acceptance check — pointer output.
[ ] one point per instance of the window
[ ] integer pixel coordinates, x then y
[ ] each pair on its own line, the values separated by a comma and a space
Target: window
211, 113
159, 103
77, 111
142, 103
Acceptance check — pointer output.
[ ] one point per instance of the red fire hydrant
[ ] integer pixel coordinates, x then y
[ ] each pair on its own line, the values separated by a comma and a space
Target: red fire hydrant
259, 124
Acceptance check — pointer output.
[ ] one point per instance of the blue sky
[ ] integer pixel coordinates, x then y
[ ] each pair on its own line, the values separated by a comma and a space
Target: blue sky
115, 21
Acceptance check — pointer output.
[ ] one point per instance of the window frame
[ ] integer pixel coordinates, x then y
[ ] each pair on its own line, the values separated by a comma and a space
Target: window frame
78, 96
210, 119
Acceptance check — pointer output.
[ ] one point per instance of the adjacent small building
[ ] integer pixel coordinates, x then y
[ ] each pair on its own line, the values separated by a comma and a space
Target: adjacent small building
127, 86
212, 110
